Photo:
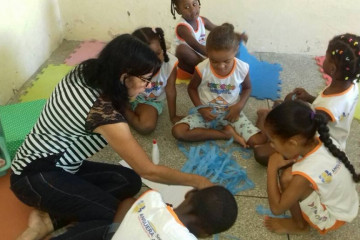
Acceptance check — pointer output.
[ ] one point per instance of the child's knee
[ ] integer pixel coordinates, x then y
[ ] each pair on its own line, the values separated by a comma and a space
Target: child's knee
146, 128
179, 130
257, 139
261, 156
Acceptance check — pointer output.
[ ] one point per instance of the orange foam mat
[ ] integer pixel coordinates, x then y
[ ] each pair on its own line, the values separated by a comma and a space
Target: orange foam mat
14, 214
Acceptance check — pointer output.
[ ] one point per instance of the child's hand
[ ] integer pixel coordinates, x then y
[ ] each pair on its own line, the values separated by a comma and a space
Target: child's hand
302, 94
206, 114
176, 118
233, 114
277, 161
244, 37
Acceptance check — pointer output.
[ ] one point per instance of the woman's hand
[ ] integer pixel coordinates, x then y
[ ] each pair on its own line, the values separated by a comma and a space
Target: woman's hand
204, 183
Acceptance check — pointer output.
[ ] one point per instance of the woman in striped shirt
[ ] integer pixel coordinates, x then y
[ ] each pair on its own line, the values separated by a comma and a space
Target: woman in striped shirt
83, 114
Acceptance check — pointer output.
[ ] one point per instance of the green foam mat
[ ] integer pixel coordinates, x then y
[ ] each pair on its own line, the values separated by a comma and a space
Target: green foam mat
357, 110
16, 121
45, 82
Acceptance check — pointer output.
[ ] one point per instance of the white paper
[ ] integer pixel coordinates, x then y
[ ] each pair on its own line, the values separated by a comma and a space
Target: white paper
172, 194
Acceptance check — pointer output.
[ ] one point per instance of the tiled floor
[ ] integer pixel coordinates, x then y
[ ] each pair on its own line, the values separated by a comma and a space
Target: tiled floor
298, 70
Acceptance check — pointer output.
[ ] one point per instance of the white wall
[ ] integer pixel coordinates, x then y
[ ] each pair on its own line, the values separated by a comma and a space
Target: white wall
282, 26
30, 30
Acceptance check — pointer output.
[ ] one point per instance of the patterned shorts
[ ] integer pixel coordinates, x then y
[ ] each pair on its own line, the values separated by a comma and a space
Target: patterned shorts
158, 105
316, 214
243, 126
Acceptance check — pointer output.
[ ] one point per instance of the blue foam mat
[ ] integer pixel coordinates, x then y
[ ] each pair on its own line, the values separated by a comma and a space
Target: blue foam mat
264, 76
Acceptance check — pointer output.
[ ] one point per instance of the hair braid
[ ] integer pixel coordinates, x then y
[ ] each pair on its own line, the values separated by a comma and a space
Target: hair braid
172, 8
160, 33
323, 130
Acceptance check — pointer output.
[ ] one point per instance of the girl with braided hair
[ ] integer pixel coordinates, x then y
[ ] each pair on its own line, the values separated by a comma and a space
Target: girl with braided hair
144, 110
318, 184
190, 35
338, 100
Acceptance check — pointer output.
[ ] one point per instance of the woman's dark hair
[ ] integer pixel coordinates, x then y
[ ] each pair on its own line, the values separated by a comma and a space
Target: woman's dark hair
344, 50
215, 209
124, 54
223, 38
292, 118
147, 35
174, 4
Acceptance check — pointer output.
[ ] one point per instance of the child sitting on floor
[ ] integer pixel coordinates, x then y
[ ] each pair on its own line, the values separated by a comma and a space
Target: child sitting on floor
221, 85
148, 105
319, 188
190, 35
203, 213
337, 101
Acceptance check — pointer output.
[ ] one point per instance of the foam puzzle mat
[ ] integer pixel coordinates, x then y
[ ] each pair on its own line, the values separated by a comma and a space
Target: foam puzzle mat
320, 61
45, 82
86, 50
264, 76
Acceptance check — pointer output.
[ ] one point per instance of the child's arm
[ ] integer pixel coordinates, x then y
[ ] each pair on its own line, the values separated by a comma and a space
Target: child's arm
208, 24
296, 191
170, 90
234, 110
185, 34
302, 94
194, 96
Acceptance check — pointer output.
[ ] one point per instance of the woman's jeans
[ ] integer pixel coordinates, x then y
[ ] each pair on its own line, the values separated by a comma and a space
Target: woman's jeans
87, 199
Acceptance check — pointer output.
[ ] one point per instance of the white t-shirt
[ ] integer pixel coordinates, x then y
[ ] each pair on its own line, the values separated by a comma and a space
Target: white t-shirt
221, 91
150, 218
341, 109
331, 180
199, 34
159, 81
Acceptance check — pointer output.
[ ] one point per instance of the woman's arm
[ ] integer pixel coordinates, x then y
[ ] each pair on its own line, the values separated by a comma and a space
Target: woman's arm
170, 90
184, 33
297, 189
119, 137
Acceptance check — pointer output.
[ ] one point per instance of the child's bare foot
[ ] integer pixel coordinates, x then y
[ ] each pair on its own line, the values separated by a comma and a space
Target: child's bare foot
284, 226
39, 226
230, 132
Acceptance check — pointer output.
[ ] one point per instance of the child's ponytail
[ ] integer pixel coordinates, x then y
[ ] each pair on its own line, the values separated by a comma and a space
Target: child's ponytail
323, 130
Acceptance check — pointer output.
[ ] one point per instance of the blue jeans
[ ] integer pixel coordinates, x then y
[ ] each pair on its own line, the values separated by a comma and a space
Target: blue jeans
87, 199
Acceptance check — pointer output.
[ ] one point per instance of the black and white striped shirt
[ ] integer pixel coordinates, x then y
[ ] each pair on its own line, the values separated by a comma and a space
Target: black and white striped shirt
61, 127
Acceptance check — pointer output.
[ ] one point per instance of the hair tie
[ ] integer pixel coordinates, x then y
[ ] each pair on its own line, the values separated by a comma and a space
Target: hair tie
312, 115
153, 29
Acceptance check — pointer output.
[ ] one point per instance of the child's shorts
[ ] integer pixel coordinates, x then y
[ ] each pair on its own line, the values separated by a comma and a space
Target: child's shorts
316, 214
158, 105
243, 126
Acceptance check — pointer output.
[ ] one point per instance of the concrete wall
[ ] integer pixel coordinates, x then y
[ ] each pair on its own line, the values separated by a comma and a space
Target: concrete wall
30, 30
282, 26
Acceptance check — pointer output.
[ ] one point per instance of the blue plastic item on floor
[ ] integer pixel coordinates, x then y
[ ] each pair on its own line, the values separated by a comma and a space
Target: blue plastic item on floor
264, 76
218, 165
266, 211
